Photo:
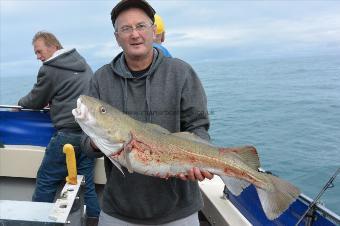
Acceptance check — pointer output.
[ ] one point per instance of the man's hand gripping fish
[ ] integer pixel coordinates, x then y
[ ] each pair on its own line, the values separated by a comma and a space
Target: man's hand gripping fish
152, 150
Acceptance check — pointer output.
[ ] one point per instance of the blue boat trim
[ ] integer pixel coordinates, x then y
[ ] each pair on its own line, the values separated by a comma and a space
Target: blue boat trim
25, 128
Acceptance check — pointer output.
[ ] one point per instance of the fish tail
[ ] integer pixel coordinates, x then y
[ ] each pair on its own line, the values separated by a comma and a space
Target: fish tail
276, 200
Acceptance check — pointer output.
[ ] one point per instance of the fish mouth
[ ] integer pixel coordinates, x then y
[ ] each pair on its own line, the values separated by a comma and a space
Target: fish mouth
81, 111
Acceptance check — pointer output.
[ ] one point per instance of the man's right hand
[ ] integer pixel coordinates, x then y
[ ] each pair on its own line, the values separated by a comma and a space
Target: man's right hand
94, 146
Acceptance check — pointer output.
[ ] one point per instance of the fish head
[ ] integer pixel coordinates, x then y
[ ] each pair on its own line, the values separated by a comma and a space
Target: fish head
98, 120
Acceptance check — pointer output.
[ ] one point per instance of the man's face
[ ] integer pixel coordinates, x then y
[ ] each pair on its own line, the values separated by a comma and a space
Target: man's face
136, 43
42, 51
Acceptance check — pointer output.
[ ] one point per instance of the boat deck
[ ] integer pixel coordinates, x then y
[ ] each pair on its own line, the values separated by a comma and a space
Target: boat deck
16, 207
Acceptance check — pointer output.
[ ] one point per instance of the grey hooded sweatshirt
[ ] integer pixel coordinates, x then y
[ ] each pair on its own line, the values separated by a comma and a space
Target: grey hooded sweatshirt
60, 81
171, 95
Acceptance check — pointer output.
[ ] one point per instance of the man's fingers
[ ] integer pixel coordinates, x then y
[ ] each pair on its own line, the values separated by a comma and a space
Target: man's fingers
207, 175
93, 145
191, 175
181, 176
198, 174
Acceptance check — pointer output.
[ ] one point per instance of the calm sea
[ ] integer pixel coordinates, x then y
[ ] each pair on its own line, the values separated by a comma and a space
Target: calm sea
288, 108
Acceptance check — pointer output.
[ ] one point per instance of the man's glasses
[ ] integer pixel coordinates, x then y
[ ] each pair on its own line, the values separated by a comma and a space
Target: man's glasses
126, 30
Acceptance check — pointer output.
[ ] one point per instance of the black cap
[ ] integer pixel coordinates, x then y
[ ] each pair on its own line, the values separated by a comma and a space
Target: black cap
128, 4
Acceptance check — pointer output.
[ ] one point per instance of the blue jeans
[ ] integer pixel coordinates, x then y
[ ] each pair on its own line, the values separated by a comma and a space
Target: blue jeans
53, 171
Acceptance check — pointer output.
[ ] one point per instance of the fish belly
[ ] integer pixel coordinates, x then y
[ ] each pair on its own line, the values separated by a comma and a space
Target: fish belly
156, 164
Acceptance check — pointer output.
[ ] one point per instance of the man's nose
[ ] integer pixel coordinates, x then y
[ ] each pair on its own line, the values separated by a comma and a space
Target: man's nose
134, 33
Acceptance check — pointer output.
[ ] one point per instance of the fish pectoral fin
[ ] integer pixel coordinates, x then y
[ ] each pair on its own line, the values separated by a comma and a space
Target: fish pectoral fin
157, 128
234, 185
191, 137
275, 202
127, 150
248, 155
117, 165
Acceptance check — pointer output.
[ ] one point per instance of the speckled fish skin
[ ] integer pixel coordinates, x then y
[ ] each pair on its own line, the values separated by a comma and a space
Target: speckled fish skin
152, 150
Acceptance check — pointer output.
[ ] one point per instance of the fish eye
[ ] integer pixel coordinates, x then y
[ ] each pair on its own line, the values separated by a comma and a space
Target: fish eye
102, 110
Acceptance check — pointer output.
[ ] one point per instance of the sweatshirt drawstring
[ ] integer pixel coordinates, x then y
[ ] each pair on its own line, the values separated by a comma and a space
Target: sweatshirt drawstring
148, 99
124, 86
125, 95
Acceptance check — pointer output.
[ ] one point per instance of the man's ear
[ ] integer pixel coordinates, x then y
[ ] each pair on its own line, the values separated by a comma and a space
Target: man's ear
117, 38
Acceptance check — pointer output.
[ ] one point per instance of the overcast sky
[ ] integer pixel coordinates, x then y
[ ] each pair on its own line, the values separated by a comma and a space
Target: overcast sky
197, 30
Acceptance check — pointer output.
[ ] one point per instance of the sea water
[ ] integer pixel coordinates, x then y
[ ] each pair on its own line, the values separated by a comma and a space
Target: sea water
289, 108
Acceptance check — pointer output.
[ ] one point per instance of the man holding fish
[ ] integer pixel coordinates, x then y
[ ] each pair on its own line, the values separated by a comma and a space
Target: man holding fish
151, 88
149, 118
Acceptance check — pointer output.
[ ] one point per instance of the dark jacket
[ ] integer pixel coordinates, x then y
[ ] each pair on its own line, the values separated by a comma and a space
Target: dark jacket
60, 81
168, 94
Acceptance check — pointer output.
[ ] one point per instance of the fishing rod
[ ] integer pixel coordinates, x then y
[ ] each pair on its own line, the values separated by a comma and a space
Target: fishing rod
10, 106
19, 108
310, 208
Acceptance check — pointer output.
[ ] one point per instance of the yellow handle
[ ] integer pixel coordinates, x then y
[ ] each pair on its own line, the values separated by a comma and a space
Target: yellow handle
71, 164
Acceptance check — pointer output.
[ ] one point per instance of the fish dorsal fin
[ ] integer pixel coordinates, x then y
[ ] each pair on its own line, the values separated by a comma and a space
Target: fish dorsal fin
191, 136
247, 154
157, 128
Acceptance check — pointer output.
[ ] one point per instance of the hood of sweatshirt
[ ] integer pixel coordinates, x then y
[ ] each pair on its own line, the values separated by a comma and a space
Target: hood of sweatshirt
120, 68
70, 60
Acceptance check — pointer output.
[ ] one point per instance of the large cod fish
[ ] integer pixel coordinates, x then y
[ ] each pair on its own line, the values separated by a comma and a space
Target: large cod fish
152, 150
